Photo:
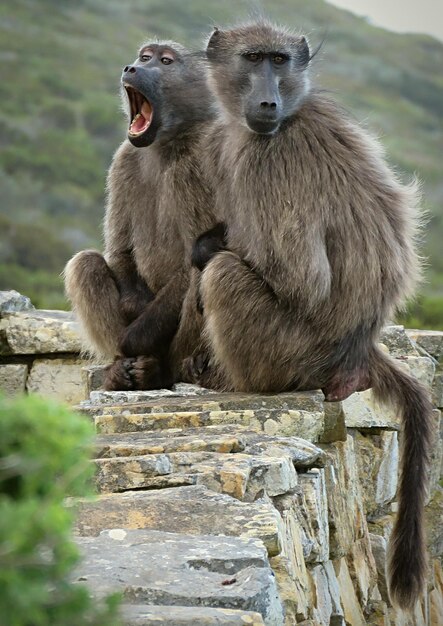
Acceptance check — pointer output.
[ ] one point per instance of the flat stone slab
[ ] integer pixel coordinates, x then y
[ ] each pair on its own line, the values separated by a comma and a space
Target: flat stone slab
173, 569
242, 476
430, 340
38, 332
151, 615
286, 423
13, 378
61, 379
193, 510
287, 415
12, 301
222, 439
165, 400
398, 341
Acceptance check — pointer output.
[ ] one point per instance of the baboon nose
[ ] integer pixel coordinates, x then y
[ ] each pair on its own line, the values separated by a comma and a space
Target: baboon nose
268, 105
130, 69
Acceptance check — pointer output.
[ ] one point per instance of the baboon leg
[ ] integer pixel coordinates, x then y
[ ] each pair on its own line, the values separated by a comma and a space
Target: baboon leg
140, 373
188, 338
249, 331
95, 298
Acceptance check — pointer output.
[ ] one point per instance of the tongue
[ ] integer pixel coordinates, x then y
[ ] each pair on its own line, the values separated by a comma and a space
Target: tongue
143, 119
139, 123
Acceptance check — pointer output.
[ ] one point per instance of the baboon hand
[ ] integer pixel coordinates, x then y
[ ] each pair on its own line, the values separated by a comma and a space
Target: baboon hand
207, 245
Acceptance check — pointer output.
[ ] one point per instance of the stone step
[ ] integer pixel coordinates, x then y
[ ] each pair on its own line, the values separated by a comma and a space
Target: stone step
193, 510
151, 615
152, 567
241, 476
216, 438
164, 400
308, 425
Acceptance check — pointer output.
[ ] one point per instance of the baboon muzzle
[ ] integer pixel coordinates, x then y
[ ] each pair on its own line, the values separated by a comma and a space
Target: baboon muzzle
143, 91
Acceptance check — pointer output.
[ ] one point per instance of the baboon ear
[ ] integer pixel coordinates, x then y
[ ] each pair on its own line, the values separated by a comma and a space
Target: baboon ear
303, 52
213, 47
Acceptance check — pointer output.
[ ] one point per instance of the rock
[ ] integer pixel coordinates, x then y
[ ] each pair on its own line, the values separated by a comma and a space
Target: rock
110, 402
189, 510
13, 302
287, 588
434, 526
362, 569
378, 459
173, 569
328, 609
436, 596
436, 457
223, 439
378, 547
349, 601
60, 379
422, 367
430, 340
13, 378
295, 414
239, 475
347, 521
398, 341
151, 615
93, 377
39, 332
292, 551
437, 388
316, 505
361, 410
335, 426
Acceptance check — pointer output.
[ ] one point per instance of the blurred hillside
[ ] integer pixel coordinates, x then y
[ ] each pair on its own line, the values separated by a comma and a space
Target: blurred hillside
60, 120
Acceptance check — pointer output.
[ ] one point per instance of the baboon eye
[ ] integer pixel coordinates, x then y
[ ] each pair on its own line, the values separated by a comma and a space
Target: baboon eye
145, 57
254, 57
279, 59
167, 60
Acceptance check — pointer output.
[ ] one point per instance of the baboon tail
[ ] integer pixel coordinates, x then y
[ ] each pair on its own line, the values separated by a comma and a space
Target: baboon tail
407, 561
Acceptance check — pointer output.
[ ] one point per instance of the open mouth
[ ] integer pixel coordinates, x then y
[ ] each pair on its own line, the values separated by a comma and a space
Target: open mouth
141, 112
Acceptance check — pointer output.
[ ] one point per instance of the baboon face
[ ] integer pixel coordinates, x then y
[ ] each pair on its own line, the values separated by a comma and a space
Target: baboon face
258, 74
163, 90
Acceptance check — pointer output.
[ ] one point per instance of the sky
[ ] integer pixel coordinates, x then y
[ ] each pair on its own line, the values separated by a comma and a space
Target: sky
410, 16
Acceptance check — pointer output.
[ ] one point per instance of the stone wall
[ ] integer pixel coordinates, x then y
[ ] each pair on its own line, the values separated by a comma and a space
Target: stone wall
39, 351
236, 508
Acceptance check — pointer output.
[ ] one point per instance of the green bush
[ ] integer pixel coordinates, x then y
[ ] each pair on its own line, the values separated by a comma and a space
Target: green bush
425, 312
43, 457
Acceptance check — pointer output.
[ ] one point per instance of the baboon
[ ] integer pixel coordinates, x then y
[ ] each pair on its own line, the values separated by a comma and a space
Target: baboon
314, 251
129, 301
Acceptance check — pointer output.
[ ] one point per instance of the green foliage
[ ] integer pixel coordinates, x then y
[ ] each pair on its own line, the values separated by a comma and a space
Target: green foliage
425, 312
43, 457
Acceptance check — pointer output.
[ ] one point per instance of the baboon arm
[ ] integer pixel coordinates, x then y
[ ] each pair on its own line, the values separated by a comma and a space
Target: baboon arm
153, 330
297, 267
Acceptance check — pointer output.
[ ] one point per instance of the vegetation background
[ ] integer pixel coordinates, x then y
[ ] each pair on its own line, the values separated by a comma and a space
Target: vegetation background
60, 120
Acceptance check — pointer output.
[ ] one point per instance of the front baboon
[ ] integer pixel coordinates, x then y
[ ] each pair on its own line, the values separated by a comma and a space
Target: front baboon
129, 300
316, 253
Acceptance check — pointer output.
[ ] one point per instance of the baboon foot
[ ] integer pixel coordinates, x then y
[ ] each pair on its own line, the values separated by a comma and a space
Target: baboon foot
195, 368
135, 374
343, 384
118, 376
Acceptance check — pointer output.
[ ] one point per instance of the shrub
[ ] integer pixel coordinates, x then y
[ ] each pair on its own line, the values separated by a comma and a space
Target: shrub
43, 457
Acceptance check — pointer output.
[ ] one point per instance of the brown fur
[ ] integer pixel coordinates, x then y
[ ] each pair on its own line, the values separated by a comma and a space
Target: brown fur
129, 301
320, 253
